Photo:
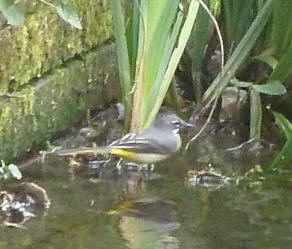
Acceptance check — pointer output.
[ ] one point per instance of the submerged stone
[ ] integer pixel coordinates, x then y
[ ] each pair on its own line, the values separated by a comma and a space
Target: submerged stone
209, 178
22, 203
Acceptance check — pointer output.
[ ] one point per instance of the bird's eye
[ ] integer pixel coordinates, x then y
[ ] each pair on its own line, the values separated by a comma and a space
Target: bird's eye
176, 123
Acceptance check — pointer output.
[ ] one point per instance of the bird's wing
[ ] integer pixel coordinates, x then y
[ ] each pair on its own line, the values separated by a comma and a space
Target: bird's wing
139, 144
84, 151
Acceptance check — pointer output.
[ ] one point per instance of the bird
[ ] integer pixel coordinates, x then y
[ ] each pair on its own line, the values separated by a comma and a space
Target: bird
150, 145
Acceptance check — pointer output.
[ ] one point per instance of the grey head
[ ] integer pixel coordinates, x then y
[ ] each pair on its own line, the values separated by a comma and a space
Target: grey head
170, 121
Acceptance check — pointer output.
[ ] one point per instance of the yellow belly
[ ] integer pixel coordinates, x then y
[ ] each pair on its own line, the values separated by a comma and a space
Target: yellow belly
141, 157
129, 155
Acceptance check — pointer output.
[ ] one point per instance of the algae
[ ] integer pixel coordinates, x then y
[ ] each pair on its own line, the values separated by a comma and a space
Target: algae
53, 73
45, 41
53, 103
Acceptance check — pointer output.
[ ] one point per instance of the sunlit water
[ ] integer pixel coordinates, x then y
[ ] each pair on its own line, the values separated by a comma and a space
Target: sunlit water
100, 208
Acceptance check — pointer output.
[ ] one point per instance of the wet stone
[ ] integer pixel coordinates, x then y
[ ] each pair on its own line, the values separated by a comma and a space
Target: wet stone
209, 178
22, 202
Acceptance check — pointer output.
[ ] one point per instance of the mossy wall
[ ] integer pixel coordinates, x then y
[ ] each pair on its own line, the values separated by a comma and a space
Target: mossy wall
49, 71
45, 41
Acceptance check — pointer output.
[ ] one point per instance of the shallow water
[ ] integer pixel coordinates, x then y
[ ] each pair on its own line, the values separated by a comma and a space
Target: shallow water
101, 208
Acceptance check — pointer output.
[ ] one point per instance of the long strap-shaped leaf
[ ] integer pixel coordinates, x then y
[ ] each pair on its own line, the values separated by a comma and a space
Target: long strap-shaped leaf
239, 54
284, 156
158, 35
177, 53
284, 68
255, 115
168, 49
158, 17
123, 57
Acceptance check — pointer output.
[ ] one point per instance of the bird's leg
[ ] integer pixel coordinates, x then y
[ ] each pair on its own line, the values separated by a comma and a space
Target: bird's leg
141, 167
119, 166
152, 166
147, 167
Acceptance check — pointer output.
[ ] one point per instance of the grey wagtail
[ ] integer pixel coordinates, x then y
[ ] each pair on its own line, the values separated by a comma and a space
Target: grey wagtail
153, 144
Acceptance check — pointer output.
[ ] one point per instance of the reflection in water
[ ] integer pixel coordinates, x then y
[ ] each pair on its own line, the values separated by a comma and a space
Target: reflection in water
152, 210
147, 234
146, 221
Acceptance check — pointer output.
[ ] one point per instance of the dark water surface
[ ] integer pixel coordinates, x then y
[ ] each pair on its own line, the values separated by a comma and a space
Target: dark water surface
98, 208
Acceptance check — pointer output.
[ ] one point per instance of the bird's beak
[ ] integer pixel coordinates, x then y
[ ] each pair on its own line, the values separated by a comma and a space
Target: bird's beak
186, 124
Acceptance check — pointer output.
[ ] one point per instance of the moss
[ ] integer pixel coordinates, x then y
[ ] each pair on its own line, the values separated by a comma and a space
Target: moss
45, 41
51, 104
76, 76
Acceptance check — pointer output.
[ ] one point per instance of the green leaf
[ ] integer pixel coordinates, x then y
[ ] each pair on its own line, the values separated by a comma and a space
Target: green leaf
123, 56
284, 67
169, 47
284, 156
15, 172
268, 59
198, 44
238, 16
13, 13
240, 53
284, 124
160, 19
174, 60
68, 12
255, 115
271, 88
280, 28
238, 83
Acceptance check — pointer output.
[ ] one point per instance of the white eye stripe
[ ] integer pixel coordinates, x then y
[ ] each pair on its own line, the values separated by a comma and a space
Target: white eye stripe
176, 123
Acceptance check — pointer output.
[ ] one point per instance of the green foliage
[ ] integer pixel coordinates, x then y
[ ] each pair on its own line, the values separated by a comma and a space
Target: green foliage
267, 58
277, 51
280, 27
156, 38
284, 67
284, 156
65, 9
123, 57
238, 15
12, 12
270, 88
284, 124
255, 115
9, 170
165, 79
152, 56
68, 12
197, 47
243, 84
240, 53
281, 69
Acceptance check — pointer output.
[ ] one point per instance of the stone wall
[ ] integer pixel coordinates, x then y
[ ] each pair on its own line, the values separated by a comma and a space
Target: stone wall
49, 71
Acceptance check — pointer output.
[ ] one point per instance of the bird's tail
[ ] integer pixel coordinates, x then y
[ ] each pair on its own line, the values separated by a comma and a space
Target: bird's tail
85, 151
